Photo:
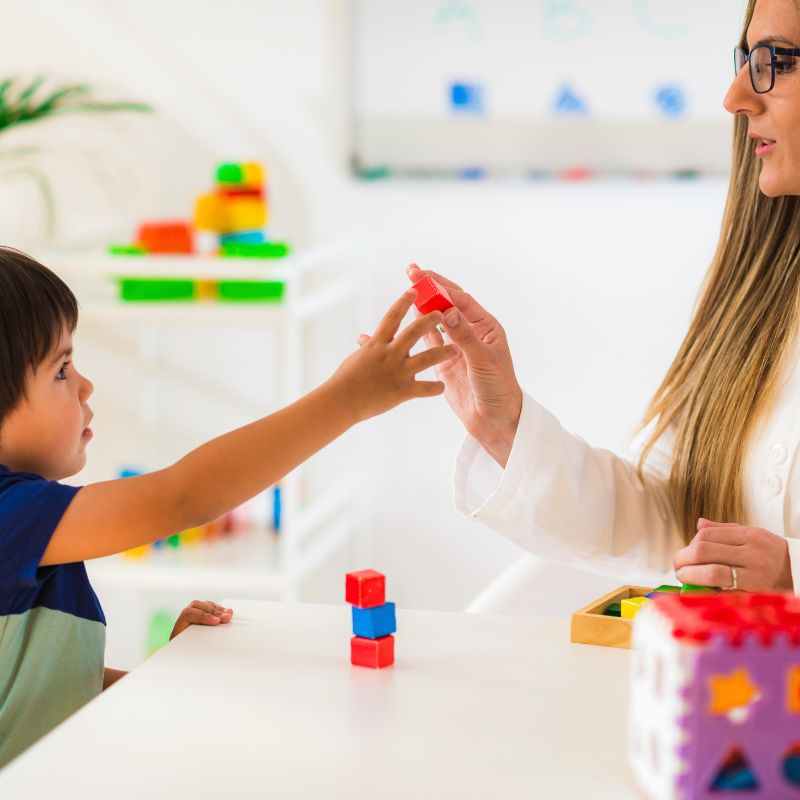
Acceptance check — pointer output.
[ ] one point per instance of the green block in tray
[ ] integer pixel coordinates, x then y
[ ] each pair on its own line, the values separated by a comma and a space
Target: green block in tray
250, 291
613, 610
230, 173
138, 290
253, 250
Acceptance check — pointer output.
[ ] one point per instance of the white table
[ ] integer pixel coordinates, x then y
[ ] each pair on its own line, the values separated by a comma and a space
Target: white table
269, 707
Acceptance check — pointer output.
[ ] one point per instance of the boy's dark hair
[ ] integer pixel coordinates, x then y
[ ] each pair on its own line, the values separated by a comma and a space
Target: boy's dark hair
35, 306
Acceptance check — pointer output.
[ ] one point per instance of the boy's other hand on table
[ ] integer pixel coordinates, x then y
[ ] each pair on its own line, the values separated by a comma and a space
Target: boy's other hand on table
201, 612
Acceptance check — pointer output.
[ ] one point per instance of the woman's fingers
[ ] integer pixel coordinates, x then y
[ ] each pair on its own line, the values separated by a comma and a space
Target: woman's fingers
722, 534
706, 552
415, 273
432, 357
391, 321
717, 575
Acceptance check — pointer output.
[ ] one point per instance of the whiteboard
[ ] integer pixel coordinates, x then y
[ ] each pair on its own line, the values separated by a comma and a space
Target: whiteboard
540, 87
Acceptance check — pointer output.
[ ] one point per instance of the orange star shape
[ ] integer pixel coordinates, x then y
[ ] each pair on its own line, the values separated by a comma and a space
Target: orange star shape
732, 691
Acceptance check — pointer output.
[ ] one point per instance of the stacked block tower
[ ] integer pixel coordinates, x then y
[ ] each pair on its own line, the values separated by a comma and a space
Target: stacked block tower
373, 619
715, 697
238, 212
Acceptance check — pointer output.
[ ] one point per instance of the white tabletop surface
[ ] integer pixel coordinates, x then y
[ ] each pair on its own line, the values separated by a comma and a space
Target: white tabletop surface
269, 707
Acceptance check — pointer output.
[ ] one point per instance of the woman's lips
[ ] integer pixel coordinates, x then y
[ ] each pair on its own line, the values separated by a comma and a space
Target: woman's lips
764, 146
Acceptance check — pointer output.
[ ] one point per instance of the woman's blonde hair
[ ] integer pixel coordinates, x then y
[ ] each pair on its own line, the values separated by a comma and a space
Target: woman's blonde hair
729, 365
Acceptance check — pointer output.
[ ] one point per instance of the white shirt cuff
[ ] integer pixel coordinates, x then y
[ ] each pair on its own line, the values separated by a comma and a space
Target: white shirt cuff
480, 483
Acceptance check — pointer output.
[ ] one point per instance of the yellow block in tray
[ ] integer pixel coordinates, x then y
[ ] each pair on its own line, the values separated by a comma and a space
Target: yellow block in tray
633, 605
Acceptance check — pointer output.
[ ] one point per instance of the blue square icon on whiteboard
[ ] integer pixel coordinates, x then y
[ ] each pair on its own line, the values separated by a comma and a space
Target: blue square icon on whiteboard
466, 97
373, 623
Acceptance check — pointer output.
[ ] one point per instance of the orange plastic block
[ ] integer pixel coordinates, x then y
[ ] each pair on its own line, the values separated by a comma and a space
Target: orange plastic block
375, 653
365, 589
209, 212
166, 237
431, 296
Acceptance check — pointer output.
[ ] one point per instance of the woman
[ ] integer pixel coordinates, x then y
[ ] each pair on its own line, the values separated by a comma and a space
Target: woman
715, 493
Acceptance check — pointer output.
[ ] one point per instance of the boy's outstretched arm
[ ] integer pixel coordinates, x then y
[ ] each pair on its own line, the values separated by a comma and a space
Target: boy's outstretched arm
114, 516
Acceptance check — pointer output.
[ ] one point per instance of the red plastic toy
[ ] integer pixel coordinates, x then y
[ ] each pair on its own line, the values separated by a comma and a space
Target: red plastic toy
375, 653
431, 296
365, 589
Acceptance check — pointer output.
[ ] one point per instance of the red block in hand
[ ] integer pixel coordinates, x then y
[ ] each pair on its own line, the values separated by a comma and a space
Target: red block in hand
375, 653
365, 589
431, 296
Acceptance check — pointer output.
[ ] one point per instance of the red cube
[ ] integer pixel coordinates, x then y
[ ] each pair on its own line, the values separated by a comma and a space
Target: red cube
375, 653
431, 296
365, 589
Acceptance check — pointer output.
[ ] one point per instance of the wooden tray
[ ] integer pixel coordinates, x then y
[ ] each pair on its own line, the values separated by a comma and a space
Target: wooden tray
590, 626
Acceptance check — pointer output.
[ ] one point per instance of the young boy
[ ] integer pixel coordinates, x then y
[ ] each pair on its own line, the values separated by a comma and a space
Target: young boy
52, 628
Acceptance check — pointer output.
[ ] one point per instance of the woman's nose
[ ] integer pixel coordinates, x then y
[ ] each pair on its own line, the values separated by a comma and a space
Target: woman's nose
741, 99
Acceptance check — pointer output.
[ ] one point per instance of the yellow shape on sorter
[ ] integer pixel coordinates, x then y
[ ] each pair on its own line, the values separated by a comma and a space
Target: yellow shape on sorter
730, 692
633, 605
137, 552
793, 699
209, 212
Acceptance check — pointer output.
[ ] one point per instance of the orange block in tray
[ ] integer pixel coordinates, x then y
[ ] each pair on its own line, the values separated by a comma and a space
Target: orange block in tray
166, 237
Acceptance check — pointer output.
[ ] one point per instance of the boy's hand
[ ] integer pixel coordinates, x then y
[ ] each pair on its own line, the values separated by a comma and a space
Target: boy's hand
381, 374
201, 612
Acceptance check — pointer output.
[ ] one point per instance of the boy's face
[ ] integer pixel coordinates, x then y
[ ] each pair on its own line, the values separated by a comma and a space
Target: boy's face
48, 431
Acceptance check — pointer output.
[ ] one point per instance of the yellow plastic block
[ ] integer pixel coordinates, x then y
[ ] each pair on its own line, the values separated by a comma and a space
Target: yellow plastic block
632, 606
252, 175
191, 536
137, 552
243, 214
209, 212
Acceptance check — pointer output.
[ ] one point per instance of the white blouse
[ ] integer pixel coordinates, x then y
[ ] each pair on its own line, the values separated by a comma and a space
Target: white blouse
562, 499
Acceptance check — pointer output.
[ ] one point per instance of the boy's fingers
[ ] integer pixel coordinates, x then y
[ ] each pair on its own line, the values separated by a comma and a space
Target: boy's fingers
390, 323
363, 338
412, 333
432, 357
428, 388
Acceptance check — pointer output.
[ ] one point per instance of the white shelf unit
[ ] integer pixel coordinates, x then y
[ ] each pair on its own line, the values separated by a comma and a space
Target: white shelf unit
321, 283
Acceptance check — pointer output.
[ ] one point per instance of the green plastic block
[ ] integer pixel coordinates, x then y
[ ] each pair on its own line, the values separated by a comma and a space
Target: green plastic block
230, 174
666, 588
689, 588
613, 610
159, 631
252, 250
251, 291
126, 250
174, 540
145, 290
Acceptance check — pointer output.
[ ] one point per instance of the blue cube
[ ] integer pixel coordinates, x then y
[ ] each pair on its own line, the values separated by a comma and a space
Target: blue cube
373, 623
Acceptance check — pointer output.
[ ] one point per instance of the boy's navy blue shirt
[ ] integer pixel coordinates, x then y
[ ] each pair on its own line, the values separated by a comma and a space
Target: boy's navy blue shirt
52, 628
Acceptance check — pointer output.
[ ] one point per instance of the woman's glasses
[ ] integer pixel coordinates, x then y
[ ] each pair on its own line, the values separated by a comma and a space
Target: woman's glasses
765, 60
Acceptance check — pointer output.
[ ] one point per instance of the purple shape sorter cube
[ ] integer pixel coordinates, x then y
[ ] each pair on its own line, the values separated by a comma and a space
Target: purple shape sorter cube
715, 697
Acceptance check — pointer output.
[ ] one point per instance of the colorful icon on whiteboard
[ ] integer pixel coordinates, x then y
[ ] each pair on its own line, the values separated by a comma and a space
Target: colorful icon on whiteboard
671, 100
566, 19
466, 98
568, 101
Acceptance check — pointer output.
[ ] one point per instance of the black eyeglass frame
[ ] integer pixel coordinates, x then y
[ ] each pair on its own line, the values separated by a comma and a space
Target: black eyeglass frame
774, 51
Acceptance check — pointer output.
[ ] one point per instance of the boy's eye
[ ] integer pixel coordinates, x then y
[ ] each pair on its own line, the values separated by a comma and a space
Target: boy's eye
62, 373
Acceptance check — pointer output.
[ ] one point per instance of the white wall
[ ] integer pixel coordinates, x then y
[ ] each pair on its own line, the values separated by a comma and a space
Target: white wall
594, 282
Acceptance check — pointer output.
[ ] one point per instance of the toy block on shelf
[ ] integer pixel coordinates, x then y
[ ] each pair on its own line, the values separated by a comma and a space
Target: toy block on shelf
209, 212
591, 625
255, 250
375, 653
365, 588
375, 622
165, 237
244, 175
243, 214
242, 237
431, 296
